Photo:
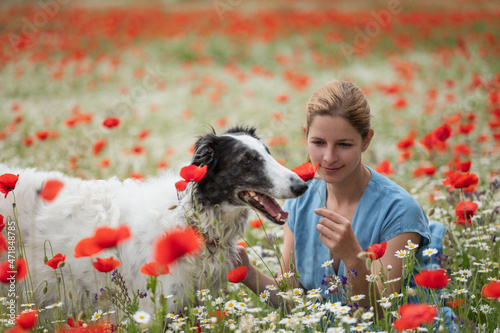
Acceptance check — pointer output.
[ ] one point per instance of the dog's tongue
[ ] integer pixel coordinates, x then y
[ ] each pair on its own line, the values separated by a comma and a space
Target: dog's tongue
269, 205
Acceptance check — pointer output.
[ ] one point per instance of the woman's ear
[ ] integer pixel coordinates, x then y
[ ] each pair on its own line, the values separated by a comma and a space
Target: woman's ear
367, 140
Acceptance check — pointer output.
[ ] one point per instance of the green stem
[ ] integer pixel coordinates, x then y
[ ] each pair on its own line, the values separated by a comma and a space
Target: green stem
320, 197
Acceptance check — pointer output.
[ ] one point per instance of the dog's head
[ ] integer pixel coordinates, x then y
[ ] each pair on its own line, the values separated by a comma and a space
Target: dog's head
241, 171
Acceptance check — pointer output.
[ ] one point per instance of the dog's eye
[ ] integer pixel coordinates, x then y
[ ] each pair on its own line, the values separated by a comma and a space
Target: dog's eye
246, 161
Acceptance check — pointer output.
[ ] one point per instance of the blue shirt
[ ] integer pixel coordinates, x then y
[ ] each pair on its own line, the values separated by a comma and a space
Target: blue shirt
384, 211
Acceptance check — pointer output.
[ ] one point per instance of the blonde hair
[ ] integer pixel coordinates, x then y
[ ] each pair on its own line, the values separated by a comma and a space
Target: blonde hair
340, 99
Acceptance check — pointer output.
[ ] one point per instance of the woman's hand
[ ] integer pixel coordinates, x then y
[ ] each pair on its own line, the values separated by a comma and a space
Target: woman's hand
337, 235
243, 260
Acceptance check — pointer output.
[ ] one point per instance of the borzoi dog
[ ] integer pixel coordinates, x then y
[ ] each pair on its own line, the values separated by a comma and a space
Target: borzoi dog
240, 173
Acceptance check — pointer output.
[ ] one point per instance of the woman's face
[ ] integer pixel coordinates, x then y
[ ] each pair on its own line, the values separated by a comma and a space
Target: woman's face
336, 146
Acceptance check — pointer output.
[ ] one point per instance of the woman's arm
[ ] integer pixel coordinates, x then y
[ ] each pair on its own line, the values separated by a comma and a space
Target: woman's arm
338, 236
257, 280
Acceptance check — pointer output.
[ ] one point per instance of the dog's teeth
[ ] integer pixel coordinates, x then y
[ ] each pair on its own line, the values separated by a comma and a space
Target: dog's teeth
278, 217
252, 193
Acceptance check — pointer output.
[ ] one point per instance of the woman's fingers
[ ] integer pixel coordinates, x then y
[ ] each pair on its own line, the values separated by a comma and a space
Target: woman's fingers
331, 215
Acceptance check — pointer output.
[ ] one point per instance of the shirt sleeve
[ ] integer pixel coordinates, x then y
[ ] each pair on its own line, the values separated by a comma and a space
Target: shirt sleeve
406, 216
289, 207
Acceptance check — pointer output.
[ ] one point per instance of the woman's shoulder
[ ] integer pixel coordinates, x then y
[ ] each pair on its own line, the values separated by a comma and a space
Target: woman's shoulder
382, 186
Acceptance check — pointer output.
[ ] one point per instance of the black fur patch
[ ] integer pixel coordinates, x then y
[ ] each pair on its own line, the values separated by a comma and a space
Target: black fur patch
232, 166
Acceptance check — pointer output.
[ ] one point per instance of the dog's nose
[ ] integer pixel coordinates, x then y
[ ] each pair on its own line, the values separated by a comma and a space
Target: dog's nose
299, 188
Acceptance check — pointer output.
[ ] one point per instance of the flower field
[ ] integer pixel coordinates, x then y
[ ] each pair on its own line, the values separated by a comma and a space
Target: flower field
120, 89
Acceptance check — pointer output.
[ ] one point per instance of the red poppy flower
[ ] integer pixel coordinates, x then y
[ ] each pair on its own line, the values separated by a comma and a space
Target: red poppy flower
50, 189
8, 183
400, 103
461, 149
143, 134
376, 251
57, 261
101, 327
414, 315
491, 290
406, 143
385, 168
111, 122
429, 142
27, 320
456, 303
99, 145
466, 128
154, 268
105, 265
190, 173
103, 238
74, 324
306, 171
176, 244
28, 141
5, 270
420, 171
460, 180
282, 98
464, 210
256, 223
237, 275
86, 248
2, 225
433, 279
462, 166
42, 135
441, 133
3, 243
106, 237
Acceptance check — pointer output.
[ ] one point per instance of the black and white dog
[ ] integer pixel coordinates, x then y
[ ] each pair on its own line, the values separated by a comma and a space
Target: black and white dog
240, 172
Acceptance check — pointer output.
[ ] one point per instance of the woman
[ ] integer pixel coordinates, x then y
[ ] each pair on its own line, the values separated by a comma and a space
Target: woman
362, 206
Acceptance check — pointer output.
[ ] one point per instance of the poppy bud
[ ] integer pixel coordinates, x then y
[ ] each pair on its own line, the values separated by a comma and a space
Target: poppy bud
45, 259
45, 290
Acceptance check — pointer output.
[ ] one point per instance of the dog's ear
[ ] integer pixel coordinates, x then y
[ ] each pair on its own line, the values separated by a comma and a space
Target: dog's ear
204, 151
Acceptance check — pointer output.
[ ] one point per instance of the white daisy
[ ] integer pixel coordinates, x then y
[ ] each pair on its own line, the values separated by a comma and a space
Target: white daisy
429, 252
271, 287
141, 317
410, 246
97, 315
327, 263
401, 254
357, 298
56, 305
264, 296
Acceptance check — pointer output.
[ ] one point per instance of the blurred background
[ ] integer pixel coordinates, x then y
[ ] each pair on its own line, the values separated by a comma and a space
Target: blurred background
172, 70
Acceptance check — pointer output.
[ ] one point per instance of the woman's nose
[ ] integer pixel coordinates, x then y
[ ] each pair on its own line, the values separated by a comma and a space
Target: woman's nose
330, 155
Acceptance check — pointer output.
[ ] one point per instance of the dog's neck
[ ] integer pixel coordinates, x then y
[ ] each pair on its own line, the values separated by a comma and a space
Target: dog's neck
218, 224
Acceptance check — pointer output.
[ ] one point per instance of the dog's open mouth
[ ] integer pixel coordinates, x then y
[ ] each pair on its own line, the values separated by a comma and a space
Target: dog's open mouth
266, 205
